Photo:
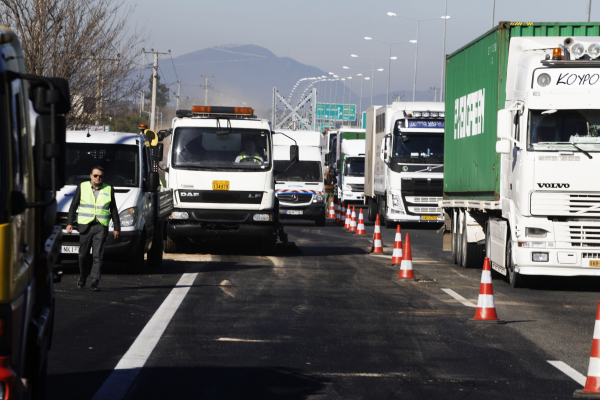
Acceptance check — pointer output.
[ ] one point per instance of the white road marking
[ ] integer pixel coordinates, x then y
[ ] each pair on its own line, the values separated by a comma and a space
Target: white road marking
570, 372
115, 387
459, 298
226, 339
363, 374
228, 292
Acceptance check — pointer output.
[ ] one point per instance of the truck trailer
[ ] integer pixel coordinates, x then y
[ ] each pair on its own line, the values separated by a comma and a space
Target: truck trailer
404, 164
522, 150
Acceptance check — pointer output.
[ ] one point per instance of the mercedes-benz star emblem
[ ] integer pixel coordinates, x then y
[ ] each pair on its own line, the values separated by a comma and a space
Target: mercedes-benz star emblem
294, 197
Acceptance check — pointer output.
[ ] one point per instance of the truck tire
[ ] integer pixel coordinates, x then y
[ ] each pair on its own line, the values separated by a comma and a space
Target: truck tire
171, 246
515, 279
136, 261
320, 221
268, 245
155, 255
471, 253
372, 210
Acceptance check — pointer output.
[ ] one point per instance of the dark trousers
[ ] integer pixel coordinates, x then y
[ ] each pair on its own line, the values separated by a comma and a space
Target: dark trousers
94, 238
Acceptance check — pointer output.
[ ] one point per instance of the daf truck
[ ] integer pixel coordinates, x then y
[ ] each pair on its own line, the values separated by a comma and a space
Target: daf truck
404, 165
220, 167
32, 160
299, 188
522, 151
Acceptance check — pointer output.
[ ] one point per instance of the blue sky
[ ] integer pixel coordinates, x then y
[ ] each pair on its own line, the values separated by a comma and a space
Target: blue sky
324, 33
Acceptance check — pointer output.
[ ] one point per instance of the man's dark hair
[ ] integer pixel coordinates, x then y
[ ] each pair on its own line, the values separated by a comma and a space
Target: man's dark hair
98, 167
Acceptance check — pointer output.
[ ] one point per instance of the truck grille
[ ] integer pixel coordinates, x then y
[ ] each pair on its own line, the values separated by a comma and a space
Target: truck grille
425, 210
431, 200
357, 188
565, 204
61, 219
296, 198
590, 255
572, 234
221, 216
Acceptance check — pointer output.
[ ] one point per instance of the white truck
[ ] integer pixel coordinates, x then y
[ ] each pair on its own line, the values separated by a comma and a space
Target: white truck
143, 206
351, 171
524, 145
299, 188
220, 167
404, 164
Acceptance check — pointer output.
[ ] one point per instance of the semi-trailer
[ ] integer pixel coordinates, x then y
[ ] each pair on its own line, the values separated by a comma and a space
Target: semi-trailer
522, 150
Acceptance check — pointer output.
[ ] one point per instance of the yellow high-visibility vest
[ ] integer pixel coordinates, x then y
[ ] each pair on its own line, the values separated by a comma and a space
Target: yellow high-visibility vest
91, 208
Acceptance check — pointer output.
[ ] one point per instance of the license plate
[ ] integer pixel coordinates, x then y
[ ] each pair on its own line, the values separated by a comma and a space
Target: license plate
220, 185
294, 212
594, 263
429, 217
71, 250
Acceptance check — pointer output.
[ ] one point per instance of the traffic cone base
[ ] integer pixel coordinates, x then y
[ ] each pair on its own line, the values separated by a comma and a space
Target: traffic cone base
406, 266
592, 383
377, 244
397, 253
486, 308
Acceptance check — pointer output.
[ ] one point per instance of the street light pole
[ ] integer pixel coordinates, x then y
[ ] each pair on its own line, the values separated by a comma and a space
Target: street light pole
444, 51
588, 11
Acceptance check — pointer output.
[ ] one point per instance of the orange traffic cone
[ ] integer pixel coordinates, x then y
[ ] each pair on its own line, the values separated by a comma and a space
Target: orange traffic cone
486, 308
360, 229
337, 212
348, 219
397, 254
331, 210
353, 220
592, 383
406, 267
377, 244
343, 216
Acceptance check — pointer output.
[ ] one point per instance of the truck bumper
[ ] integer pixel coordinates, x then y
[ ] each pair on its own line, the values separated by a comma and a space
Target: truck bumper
397, 217
561, 262
311, 211
353, 197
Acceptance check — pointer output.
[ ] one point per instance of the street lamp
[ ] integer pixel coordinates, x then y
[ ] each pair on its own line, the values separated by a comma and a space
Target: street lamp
444, 17
362, 79
387, 98
372, 71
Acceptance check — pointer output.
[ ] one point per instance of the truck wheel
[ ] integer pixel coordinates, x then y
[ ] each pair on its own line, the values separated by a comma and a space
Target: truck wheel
171, 246
267, 246
372, 210
514, 278
136, 262
320, 221
155, 255
471, 253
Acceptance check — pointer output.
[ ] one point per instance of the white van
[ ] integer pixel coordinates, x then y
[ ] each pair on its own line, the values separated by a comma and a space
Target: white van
299, 187
143, 209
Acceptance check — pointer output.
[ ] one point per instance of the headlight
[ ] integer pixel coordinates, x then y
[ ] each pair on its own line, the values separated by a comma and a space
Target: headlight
539, 257
577, 50
539, 245
263, 217
128, 216
396, 200
535, 232
348, 187
594, 50
416, 114
441, 115
425, 114
180, 215
434, 114
543, 80
319, 198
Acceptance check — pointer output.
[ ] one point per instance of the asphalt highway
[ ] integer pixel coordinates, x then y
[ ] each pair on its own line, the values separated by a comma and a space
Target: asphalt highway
327, 321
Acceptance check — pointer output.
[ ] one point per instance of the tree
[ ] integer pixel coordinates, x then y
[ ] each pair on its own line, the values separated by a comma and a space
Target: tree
127, 123
162, 93
88, 42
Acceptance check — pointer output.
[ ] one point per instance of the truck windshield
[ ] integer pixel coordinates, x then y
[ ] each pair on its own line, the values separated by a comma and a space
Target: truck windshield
302, 171
355, 167
120, 161
561, 129
418, 147
201, 147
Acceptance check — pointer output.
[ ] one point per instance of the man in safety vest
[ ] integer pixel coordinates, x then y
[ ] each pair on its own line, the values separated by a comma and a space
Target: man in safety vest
250, 154
97, 205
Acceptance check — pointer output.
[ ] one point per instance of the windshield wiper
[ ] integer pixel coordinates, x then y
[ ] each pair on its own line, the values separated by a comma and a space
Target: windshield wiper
582, 150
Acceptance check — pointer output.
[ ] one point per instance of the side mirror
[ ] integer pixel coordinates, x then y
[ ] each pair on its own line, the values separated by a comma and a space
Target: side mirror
153, 182
294, 153
157, 152
504, 124
41, 96
162, 134
18, 203
44, 150
503, 146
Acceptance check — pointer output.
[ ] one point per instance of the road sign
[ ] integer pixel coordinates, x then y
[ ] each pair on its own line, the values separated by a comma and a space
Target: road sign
334, 111
364, 120
324, 125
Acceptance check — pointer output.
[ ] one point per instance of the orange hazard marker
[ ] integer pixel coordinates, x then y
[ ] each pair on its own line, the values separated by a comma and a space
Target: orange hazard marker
486, 308
331, 210
406, 267
343, 215
397, 254
377, 244
348, 219
592, 383
360, 229
353, 220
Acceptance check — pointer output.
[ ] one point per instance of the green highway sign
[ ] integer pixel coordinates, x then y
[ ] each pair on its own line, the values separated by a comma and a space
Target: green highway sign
364, 120
324, 125
336, 112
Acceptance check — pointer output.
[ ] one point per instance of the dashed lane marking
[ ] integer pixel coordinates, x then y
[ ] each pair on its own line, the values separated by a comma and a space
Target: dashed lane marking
116, 386
570, 372
226, 339
458, 297
362, 374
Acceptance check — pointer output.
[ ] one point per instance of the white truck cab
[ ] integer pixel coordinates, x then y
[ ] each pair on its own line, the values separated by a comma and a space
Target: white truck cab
351, 175
220, 167
299, 187
143, 209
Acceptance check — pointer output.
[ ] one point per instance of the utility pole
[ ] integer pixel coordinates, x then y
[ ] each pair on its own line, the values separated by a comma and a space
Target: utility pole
154, 79
178, 92
99, 83
206, 87
435, 93
588, 11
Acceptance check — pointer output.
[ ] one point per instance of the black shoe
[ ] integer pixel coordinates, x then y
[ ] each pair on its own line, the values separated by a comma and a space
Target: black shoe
94, 286
81, 282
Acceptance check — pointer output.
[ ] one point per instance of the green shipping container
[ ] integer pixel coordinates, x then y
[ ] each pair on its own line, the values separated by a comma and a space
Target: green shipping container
475, 91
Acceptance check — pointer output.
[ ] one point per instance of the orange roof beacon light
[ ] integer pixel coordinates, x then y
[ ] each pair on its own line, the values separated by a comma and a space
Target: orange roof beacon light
557, 54
143, 126
222, 110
